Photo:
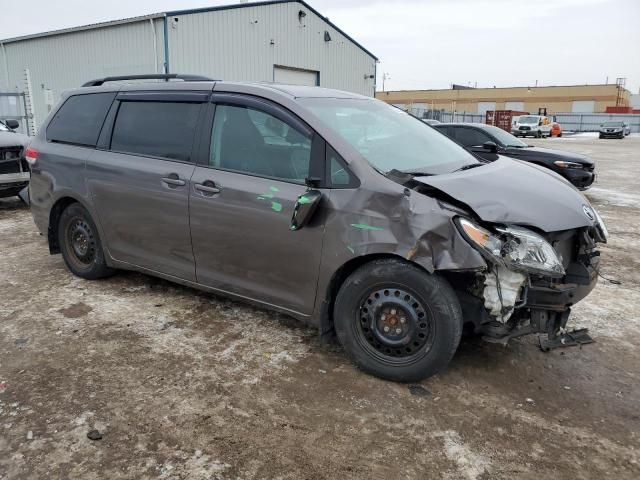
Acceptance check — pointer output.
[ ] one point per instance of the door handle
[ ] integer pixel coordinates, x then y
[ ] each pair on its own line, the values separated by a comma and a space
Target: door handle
207, 187
173, 179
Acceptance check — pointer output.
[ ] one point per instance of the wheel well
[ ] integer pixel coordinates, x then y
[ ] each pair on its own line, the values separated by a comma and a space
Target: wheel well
54, 220
326, 319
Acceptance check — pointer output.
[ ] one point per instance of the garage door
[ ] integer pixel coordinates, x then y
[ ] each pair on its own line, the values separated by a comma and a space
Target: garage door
484, 107
294, 76
517, 106
583, 106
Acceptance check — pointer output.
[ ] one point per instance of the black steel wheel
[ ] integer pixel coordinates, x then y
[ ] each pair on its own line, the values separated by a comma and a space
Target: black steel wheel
397, 321
80, 244
394, 325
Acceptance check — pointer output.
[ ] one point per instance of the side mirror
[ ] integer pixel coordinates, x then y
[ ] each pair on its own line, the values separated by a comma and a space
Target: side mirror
491, 146
304, 209
12, 124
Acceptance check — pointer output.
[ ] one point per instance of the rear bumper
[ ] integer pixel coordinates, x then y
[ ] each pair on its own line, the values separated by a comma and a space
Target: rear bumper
14, 179
12, 183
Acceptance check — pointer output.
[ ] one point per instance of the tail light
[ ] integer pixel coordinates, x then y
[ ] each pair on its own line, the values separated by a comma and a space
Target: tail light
31, 155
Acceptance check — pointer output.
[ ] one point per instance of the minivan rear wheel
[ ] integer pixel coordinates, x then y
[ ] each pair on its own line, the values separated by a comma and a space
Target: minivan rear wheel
80, 244
396, 321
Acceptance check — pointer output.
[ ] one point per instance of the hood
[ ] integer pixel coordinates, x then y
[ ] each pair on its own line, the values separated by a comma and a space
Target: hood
513, 192
11, 139
548, 153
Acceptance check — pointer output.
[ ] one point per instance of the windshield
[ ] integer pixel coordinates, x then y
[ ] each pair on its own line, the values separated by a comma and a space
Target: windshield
612, 124
389, 138
505, 138
528, 119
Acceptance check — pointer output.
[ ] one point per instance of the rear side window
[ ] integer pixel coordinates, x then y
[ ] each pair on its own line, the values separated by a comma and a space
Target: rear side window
80, 119
156, 129
470, 137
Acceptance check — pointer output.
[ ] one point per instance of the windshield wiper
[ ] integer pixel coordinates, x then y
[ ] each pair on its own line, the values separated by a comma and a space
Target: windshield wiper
468, 167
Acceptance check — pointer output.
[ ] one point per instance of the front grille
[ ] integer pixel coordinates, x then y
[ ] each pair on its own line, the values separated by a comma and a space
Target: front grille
11, 160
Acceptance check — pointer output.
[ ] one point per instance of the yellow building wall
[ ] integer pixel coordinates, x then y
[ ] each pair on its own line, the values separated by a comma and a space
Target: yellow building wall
555, 99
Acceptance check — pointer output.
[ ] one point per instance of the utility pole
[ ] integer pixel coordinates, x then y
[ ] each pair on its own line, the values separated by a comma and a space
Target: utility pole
385, 76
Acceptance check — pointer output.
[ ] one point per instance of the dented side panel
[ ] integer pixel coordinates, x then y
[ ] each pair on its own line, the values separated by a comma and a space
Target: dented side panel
385, 218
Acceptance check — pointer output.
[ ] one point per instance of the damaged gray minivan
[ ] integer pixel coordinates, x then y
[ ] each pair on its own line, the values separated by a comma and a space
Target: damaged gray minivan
334, 208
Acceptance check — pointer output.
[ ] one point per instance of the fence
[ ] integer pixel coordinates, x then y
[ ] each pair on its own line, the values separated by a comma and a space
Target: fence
446, 117
13, 106
590, 122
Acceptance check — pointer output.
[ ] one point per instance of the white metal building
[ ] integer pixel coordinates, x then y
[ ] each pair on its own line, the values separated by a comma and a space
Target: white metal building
276, 41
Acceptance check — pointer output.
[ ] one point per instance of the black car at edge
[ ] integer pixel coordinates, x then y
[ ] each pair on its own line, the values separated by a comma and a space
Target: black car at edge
489, 141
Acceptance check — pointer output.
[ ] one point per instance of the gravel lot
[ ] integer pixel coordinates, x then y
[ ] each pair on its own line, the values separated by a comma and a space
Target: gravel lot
183, 384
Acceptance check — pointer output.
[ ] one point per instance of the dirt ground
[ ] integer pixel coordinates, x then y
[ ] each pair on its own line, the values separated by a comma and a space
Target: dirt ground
186, 385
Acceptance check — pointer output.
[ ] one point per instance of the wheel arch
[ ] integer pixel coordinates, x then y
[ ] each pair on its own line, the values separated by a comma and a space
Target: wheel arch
338, 278
54, 219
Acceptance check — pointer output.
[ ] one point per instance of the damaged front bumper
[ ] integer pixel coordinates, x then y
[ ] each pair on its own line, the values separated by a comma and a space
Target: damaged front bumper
503, 304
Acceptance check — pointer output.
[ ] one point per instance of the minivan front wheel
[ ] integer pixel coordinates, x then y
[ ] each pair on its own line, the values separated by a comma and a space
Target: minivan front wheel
396, 321
80, 244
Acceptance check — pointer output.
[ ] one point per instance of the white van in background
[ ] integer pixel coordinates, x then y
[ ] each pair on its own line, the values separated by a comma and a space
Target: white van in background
534, 125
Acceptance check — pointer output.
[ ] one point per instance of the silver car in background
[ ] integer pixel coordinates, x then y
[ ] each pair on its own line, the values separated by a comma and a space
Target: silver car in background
614, 129
14, 171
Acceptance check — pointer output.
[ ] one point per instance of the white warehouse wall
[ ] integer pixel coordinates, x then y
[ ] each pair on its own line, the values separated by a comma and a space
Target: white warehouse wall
230, 44
63, 61
236, 44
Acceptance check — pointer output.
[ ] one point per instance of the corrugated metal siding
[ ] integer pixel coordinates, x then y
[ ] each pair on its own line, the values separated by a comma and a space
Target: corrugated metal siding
66, 61
233, 44
236, 44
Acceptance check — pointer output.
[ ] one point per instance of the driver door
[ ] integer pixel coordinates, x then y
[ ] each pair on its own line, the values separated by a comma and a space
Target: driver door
256, 157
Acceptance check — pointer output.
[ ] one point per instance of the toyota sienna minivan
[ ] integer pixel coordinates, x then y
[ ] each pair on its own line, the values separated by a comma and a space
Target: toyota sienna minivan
334, 208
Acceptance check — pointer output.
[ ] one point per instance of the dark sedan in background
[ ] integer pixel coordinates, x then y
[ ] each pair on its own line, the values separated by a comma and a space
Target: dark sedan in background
488, 142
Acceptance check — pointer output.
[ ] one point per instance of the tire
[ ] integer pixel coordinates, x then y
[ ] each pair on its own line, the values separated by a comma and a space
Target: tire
80, 244
421, 313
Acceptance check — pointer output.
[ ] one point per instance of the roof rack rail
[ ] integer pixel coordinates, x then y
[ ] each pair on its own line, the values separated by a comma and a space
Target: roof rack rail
152, 76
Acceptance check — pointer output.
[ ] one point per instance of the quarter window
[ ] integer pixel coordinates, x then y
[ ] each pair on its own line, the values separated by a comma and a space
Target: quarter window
339, 175
156, 129
80, 119
252, 141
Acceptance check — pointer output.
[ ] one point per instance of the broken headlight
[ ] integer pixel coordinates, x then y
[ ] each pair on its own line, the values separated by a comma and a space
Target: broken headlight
516, 248
603, 228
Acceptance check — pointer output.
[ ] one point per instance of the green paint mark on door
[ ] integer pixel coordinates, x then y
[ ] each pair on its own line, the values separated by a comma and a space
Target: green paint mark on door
364, 226
275, 206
